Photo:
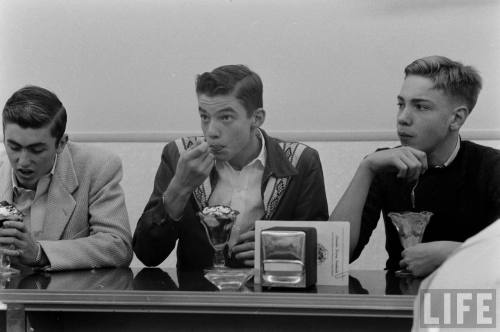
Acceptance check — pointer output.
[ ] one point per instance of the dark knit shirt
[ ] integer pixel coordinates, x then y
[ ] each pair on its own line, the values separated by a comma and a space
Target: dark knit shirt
464, 197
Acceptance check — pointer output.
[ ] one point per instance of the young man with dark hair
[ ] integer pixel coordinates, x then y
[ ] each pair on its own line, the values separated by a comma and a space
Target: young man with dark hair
73, 207
235, 164
458, 181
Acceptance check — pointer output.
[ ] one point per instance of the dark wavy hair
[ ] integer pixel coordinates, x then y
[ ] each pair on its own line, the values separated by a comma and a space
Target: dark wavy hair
35, 107
237, 80
451, 77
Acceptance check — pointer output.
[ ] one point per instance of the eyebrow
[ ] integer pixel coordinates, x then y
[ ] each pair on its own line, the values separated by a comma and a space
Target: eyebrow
227, 109
416, 100
31, 146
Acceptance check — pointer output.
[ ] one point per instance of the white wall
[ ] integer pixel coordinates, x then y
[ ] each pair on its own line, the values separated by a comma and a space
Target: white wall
125, 66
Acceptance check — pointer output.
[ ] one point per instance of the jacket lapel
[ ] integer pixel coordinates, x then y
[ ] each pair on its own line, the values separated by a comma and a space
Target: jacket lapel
202, 193
60, 202
282, 158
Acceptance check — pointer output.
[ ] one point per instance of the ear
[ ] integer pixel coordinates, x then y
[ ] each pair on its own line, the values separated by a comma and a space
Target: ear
62, 143
258, 118
459, 116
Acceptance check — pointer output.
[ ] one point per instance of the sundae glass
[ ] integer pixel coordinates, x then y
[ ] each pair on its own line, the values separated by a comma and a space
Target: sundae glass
6, 210
218, 221
411, 227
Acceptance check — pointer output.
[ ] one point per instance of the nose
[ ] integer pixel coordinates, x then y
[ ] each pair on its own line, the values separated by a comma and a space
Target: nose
24, 158
212, 130
404, 116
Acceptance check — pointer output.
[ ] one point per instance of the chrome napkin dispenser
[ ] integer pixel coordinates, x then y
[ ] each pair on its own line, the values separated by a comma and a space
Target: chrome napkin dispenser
288, 257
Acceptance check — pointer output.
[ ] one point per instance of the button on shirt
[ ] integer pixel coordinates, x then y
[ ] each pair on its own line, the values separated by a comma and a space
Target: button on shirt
33, 203
241, 190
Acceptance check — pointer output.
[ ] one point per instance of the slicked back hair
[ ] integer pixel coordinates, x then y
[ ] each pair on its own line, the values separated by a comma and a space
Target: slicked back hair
237, 80
451, 77
36, 107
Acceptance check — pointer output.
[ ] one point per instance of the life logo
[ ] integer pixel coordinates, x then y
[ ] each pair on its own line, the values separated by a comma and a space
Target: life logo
458, 308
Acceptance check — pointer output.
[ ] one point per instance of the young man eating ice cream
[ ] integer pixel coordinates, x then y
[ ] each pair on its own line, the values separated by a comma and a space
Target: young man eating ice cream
235, 164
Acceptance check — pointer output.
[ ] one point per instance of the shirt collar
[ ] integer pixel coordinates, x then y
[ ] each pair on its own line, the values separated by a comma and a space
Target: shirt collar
15, 184
263, 154
451, 157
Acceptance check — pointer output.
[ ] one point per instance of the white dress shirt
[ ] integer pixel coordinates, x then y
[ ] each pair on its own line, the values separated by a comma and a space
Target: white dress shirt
33, 203
241, 190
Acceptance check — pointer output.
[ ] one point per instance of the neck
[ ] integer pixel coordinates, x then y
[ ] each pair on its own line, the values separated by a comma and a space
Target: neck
443, 152
251, 152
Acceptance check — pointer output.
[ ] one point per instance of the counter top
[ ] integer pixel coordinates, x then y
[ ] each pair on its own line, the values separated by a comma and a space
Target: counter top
369, 293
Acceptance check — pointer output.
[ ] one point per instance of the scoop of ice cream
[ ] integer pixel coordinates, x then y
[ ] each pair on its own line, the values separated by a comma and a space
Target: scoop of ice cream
7, 209
219, 211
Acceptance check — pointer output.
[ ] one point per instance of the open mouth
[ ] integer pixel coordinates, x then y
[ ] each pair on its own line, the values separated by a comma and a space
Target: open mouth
25, 173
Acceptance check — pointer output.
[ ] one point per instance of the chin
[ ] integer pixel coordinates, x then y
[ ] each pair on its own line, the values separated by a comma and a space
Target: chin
409, 143
28, 185
221, 157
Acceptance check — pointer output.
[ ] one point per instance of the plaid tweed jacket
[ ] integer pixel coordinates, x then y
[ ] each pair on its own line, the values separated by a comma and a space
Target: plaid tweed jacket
292, 189
86, 223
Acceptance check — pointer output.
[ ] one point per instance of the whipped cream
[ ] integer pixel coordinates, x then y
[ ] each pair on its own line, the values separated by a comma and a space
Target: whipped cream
7, 209
219, 211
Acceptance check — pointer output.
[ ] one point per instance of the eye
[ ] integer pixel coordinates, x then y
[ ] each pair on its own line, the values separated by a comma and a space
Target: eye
422, 107
203, 117
14, 147
400, 104
37, 150
226, 118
